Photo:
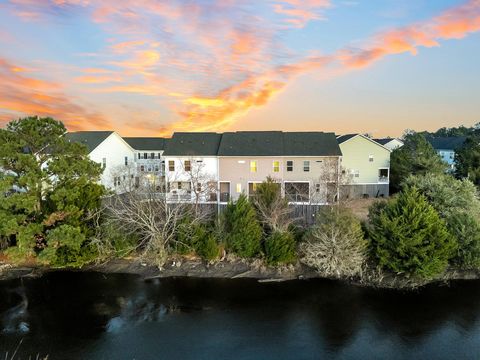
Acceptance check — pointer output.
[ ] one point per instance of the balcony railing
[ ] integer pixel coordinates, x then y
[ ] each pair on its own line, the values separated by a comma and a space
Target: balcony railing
383, 179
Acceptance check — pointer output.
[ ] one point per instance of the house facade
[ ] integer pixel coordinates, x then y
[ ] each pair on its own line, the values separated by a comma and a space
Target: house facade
446, 146
149, 163
191, 167
112, 152
304, 164
365, 166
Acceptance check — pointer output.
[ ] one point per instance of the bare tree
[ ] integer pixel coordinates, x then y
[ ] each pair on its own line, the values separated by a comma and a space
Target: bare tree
272, 208
146, 213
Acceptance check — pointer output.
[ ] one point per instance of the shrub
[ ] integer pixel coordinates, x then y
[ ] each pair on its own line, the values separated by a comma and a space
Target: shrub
208, 247
466, 230
457, 203
409, 237
243, 232
335, 245
280, 248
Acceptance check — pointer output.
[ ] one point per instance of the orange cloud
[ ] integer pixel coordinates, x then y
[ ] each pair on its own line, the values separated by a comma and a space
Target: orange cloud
21, 96
300, 12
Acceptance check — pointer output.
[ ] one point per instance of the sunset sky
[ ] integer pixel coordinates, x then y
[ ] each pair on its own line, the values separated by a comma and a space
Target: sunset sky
148, 68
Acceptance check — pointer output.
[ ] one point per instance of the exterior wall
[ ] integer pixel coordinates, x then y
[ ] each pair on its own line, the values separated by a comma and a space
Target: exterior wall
448, 156
203, 170
236, 171
361, 171
114, 149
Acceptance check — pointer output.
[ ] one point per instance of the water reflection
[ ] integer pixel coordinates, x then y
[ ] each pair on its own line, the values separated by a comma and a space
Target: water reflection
96, 316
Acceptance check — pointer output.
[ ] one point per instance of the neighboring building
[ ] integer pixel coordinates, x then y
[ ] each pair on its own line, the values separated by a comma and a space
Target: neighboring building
446, 146
111, 151
306, 164
149, 161
390, 143
191, 166
366, 164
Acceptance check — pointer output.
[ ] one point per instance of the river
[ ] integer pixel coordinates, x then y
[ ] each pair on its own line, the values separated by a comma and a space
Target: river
81, 315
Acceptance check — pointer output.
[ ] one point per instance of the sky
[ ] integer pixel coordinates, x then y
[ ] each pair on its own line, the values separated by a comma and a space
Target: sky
149, 68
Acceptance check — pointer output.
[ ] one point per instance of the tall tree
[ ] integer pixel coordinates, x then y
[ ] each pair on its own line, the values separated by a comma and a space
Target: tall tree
46, 183
415, 157
467, 160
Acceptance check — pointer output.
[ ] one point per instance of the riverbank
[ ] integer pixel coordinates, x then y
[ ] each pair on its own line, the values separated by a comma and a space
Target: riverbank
232, 268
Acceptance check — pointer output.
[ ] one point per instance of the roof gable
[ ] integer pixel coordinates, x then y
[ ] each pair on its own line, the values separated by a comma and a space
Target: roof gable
92, 139
193, 144
146, 143
344, 138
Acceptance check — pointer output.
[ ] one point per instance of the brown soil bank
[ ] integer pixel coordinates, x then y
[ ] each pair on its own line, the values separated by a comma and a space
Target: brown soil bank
232, 269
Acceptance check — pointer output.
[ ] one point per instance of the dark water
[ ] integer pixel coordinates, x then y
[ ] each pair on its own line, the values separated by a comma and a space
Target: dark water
94, 316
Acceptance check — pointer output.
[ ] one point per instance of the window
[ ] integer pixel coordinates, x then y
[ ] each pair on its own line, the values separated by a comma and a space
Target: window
306, 166
156, 168
104, 163
179, 185
253, 166
142, 168
356, 173
276, 166
383, 173
317, 188
188, 165
158, 156
152, 155
149, 168
171, 165
199, 187
370, 158
239, 188
126, 160
145, 155
289, 165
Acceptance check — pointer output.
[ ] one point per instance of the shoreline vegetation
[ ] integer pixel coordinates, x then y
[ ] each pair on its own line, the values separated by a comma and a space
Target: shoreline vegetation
55, 215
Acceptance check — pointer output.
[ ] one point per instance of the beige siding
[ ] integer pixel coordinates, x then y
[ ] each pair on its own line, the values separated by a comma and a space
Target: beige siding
356, 153
236, 170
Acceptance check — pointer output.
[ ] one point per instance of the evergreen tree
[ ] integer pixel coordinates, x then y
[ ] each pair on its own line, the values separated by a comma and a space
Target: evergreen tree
467, 160
243, 233
409, 237
415, 157
46, 182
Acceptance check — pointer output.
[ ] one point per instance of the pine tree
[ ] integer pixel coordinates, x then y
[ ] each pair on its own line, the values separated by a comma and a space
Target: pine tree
243, 233
409, 237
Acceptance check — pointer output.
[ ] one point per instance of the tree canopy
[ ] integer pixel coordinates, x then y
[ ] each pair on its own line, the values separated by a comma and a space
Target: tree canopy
415, 157
48, 185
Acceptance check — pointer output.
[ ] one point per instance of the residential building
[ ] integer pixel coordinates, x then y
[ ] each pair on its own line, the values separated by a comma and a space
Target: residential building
108, 149
305, 164
390, 143
365, 165
446, 146
149, 161
191, 166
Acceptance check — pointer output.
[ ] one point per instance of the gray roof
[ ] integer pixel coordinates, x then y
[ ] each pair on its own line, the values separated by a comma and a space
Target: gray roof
146, 143
191, 144
384, 141
447, 143
90, 138
343, 138
278, 143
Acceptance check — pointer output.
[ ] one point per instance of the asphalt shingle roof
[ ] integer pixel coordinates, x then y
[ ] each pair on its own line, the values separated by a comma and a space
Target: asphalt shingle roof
278, 143
447, 143
90, 138
146, 143
343, 138
384, 140
191, 144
